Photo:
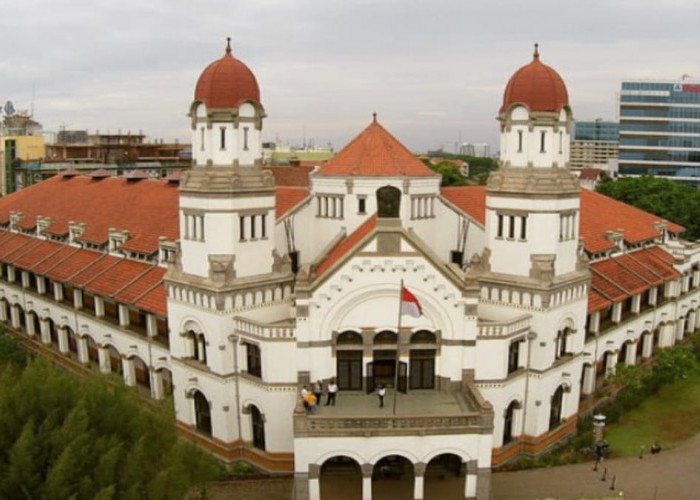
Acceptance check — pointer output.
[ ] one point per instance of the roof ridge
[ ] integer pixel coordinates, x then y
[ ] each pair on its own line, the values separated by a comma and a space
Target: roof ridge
622, 264
135, 279
46, 271
149, 289
609, 280
644, 265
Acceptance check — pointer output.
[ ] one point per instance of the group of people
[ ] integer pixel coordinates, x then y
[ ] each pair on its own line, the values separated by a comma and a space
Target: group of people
311, 399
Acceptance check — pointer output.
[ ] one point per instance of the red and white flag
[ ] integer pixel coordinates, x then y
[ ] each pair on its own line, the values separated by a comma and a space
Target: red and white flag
410, 304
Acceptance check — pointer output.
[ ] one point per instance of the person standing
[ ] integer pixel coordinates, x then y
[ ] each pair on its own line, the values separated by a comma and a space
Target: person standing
381, 392
318, 388
332, 391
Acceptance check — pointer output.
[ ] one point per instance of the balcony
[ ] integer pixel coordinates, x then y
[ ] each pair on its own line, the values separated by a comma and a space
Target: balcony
419, 413
277, 330
506, 328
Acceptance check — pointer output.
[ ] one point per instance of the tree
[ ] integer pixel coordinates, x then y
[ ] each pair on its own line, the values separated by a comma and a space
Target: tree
80, 438
668, 199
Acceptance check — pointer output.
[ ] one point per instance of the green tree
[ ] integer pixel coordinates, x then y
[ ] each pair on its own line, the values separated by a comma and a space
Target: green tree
80, 438
668, 199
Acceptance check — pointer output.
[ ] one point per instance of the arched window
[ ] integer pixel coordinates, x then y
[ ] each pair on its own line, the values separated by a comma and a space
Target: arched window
202, 413
258, 423
385, 337
349, 338
388, 202
556, 408
509, 422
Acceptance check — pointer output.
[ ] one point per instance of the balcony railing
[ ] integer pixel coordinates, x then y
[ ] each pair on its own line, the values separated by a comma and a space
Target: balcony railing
264, 330
504, 328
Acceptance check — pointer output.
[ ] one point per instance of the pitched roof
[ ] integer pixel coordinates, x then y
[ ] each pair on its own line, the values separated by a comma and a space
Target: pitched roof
346, 245
470, 199
599, 214
291, 176
375, 153
147, 209
286, 198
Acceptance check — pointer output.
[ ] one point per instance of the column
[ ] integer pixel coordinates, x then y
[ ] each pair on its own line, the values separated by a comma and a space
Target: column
631, 354
156, 384
30, 324
588, 379
610, 358
690, 325
470, 479
418, 482
103, 357
367, 470
648, 345
201, 346
83, 356
3, 310
129, 372
680, 329
667, 334
14, 316
44, 327
62, 340
314, 485
123, 316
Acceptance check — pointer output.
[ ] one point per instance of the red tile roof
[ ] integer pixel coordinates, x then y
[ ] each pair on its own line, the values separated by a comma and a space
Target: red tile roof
286, 198
116, 278
640, 270
596, 301
346, 245
226, 83
104, 264
145, 283
291, 176
12, 244
621, 276
43, 266
470, 199
375, 152
606, 288
44, 250
154, 301
598, 215
76, 262
147, 209
654, 260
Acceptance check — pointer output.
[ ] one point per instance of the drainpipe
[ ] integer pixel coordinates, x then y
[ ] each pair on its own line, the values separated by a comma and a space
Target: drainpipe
531, 336
234, 339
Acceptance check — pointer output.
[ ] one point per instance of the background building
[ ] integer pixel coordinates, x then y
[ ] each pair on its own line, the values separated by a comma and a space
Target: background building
660, 129
21, 140
594, 144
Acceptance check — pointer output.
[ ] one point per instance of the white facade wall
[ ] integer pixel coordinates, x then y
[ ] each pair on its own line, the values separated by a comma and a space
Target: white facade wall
521, 144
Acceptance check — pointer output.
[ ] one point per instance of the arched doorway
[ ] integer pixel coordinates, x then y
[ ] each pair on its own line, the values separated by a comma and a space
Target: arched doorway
349, 361
166, 377
258, 427
33, 325
115, 360
422, 360
393, 477
72, 343
53, 333
202, 413
444, 477
341, 478
93, 352
555, 409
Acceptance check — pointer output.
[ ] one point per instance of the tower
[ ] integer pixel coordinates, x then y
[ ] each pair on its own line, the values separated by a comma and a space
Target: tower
226, 200
532, 204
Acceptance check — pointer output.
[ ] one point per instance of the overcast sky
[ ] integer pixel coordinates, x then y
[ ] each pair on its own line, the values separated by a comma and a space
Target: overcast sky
433, 70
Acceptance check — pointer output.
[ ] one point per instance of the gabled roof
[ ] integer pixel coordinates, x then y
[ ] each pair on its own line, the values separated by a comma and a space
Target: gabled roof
291, 176
375, 153
286, 198
346, 245
469, 199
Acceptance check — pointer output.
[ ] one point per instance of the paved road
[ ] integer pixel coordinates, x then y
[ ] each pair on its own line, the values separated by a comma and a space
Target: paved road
673, 474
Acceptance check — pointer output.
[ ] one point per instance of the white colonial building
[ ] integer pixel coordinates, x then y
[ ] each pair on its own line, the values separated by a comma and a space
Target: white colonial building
233, 286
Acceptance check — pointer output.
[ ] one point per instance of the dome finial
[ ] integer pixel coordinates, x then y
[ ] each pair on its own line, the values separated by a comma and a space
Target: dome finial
374, 117
536, 55
228, 44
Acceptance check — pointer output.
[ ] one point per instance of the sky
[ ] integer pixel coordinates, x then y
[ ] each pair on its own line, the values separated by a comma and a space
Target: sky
433, 70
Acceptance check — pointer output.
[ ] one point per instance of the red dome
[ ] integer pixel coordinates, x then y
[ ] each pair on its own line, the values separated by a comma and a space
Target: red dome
226, 82
537, 86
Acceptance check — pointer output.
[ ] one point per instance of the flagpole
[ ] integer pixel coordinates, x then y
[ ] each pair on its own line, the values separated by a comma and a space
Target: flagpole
398, 338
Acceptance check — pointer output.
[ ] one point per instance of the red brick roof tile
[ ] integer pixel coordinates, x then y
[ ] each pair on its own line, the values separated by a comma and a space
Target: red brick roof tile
145, 283
346, 245
20, 251
653, 260
470, 199
596, 301
73, 264
291, 176
640, 270
99, 266
44, 250
286, 198
375, 152
621, 276
147, 209
114, 278
12, 243
606, 288
154, 301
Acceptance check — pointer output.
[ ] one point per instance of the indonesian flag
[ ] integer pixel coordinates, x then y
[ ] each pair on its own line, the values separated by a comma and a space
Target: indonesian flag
410, 304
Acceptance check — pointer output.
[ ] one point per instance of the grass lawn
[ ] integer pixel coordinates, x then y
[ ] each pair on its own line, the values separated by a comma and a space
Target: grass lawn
670, 417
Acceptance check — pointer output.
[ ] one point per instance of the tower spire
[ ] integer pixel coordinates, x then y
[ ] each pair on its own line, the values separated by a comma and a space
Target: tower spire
228, 44
536, 55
